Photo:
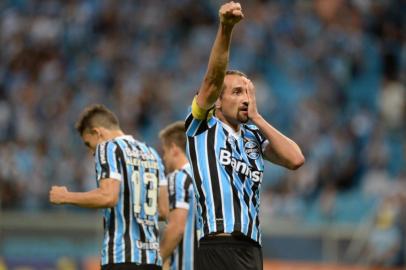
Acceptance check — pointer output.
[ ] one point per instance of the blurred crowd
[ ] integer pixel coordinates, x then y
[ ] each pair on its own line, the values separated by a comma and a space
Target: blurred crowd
330, 74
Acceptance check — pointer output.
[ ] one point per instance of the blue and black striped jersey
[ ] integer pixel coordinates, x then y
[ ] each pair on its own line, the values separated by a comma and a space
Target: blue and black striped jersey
131, 227
181, 195
227, 172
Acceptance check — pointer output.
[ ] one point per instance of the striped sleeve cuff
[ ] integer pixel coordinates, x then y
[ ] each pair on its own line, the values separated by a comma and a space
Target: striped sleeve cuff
183, 205
264, 145
163, 182
113, 175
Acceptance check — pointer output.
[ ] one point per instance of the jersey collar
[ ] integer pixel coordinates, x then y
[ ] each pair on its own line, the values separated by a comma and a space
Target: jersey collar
235, 134
128, 137
187, 165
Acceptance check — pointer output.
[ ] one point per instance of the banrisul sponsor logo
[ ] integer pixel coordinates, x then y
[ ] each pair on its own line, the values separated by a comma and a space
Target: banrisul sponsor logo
251, 148
239, 166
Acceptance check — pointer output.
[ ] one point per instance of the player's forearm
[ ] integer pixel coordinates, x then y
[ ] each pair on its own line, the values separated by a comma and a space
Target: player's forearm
91, 199
219, 56
282, 150
171, 238
217, 65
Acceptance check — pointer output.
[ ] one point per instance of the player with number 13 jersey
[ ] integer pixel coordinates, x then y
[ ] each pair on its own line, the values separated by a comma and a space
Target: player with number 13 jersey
131, 227
129, 175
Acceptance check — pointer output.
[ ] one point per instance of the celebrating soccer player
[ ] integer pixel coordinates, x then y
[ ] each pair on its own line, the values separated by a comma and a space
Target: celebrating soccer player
179, 238
227, 157
128, 175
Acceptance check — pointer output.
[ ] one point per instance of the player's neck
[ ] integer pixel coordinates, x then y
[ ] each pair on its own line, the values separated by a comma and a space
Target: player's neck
181, 161
234, 126
111, 134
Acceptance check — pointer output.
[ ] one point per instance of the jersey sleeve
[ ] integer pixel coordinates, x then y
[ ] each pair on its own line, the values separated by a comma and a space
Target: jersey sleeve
162, 181
107, 165
180, 190
263, 142
198, 119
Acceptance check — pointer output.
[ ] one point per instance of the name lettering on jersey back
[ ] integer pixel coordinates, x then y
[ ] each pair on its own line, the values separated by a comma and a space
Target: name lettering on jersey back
239, 166
140, 158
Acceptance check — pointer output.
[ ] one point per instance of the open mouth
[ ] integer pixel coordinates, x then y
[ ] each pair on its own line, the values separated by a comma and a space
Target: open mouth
244, 110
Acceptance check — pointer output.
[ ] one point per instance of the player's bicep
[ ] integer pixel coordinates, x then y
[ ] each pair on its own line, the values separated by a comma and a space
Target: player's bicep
272, 156
178, 216
163, 202
199, 112
110, 188
267, 151
207, 96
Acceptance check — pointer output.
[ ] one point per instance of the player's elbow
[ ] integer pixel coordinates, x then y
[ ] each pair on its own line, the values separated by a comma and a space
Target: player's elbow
163, 213
211, 87
213, 81
111, 201
297, 162
177, 229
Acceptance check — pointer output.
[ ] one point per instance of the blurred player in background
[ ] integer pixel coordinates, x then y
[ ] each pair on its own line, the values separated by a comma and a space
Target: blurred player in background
179, 238
128, 174
227, 158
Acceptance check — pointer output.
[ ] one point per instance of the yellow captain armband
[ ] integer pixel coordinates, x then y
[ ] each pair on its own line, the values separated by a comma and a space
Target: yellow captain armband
200, 113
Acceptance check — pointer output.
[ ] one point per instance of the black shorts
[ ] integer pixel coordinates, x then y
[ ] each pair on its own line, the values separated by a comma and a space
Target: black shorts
228, 253
130, 266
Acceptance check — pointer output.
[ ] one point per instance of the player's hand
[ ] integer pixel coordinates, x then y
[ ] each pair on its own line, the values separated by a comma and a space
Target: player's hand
252, 102
230, 13
166, 265
57, 194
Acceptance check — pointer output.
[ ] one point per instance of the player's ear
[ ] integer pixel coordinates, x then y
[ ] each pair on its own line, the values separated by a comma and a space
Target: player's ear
218, 103
96, 132
173, 147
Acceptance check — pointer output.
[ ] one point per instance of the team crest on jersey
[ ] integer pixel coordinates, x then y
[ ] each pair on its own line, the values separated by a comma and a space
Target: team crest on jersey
251, 149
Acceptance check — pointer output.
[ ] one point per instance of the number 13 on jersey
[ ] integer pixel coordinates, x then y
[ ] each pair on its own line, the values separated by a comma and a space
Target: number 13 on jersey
149, 202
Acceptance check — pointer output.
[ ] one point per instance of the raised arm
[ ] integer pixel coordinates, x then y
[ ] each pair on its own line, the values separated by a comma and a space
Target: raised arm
230, 14
281, 150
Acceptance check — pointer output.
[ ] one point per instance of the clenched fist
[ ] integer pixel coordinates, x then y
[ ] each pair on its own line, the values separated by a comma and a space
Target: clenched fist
230, 13
57, 194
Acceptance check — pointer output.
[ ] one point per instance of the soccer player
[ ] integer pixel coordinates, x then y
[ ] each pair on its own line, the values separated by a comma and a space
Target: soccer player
128, 174
179, 238
227, 157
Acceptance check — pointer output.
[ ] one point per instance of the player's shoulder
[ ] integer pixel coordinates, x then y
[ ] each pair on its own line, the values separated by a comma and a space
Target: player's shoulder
153, 151
181, 179
187, 169
104, 150
139, 146
105, 146
178, 176
252, 133
120, 141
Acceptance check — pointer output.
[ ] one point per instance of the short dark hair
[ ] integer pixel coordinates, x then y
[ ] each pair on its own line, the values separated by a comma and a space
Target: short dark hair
96, 115
174, 133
